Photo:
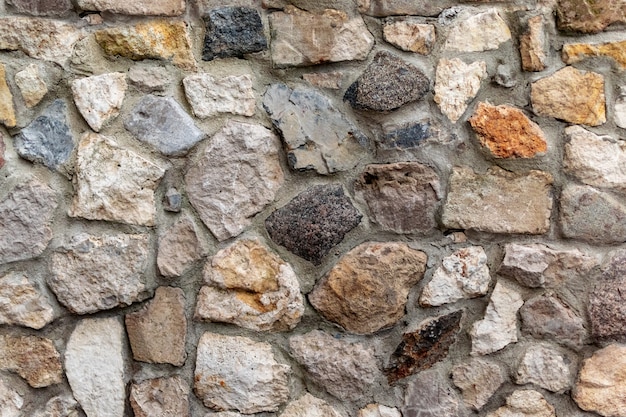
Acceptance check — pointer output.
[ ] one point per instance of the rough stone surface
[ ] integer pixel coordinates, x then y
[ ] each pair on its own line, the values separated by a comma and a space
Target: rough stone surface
302, 38
382, 8
410, 35
22, 303
7, 109
232, 32
525, 403
571, 95
504, 76
464, 274
236, 176
209, 95
92, 273
367, 289
507, 132
379, 410
179, 248
547, 317
51, 8
589, 17
533, 45
160, 397
498, 328
114, 183
32, 87
237, 373
26, 213
331, 80
2, 150
401, 197
313, 222
478, 32
309, 406
11, 402
347, 370
545, 367
607, 307
387, 83
172, 200
59, 406
576, 52
316, 135
499, 194
33, 358
478, 379
137, 7
620, 108
429, 394
411, 135
149, 79
456, 84
99, 98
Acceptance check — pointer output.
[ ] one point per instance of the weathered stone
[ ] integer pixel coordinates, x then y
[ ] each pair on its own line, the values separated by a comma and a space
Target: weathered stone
54, 8
571, 95
477, 32
456, 84
576, 52
94, 363
302, 38
156, 39
410, 35
114, 183
251, 287
237, 373
11, 402
525, 403
429, 394
504, 76
93, 273
172, 200
60, 406
498, 328
545, 367
33, 358
317, 135
411, 134
345, 369
546, 317
424, 347
209, 96
236, 176
22, 303
137, 7
313, 222
498, 201
607, 307
382, 8
160, 397
47, 139
379, 410
464, 274
2, 149
331, 80
162, 123
149, 79
367, 289
232, 32
533, 45
179, 248
478, 380
7, 110
158, 331
387, 83
309, 406
589, 17
99, 98
620, 108
507, 132
27, 213
32, 87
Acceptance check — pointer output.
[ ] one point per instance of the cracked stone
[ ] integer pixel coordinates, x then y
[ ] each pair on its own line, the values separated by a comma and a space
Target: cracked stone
607, 307
22, 303
456, 85
478, 379
232, 32
209, 95
533, 45
33, 358
99, 98
587, 17
429, 394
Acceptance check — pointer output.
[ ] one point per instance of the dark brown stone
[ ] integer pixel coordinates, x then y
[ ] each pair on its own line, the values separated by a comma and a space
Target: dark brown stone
607, 302
588, 16
546, 317
56, 8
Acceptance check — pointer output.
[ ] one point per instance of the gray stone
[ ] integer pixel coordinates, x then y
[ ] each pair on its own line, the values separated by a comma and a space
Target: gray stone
33, 358
316, 134
379, 410
309, 406
172, 200
545, 367
429, 394
456, 85
411, 134
149, 79
31, 85
620, 108
136, 7
11, 402
478, 379
381, 8
546, 317
232, 32
99, 98
179, 248
164, 124
209, 95
160, 397
50, 8
483, 31
607, 304
22, 303
504, 76
525, 403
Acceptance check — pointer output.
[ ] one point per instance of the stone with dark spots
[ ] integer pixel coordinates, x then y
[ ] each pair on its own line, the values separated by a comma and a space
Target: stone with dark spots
313, 222
607, 300
589, 16
407, 136
386, 84
422, 349
47, 139
232, 32
56, 8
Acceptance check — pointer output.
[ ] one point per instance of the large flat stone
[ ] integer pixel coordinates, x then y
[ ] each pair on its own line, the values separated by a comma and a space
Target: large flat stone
382, 8
7, 108
137, 7
50, 8
209, 95
478, 379
483, 31
232, 31
456, 85
160, 397
547, 317
99, 98
22, 303
589, 17
33, 358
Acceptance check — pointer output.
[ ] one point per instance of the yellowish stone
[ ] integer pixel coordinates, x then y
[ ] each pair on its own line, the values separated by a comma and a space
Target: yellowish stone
7, 111
576, 52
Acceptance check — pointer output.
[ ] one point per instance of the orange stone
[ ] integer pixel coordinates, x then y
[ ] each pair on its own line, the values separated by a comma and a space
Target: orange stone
576, 52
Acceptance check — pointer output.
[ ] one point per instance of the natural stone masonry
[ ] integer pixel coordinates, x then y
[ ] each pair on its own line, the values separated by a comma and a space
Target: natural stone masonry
22, 303
378, 410
160, 397
179, 248
32, 87
477, 32
576, 52
430, 394
99, 98
478, 379
456, 84
381, 8
533, 45
583, 16
607, 311
56, 8
232, 32
410, 35
7, 109
10, 400
308, 405
209, 96
620, 108
141, 7
33, 358
545, 367
525, 403
149, 79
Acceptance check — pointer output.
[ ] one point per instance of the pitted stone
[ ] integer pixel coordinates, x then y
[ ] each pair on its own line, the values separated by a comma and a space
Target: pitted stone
232, 32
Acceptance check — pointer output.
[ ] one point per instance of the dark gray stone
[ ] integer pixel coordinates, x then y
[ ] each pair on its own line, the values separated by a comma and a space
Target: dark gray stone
232, 32
607, 303
56, 8
47, 139
173, 200
546, 317
313, 222
164, 124
407, 136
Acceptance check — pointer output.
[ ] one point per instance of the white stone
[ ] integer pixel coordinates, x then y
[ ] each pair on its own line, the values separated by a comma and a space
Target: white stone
179, 247
456, 84
31, 85
94, 365
498, 328
10, 401
149, 79
480, 32
99, 98
22, 303
545, 367
464, 274
309, 406
209, 95
410, 35
525, 403
379, 410
620, 108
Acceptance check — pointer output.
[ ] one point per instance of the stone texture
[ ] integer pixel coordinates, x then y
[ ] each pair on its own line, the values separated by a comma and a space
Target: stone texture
31, 84
478, 380
547, 317
498, 328
160, 397
429, 394
11, 402
52, 8
533, 45
179, 248
401, 197
379, 410
483, 31
27, 213
309, 406
47, 139
33, 358
410, 35
114, 183
2, 150
158, 332
504, 76
589, 17
382, 8
7, 109
620, 108
59, 406
22, 303
411, 135
313, 222
316, 134
92, 273
237, 373
99, 98
367, 289
423, 348
464, 274
232, 32
576, 52
155, 39
172, 200
94, 363
209, 95
346, 370
571, 95
525, 403
456, 85
149, 79
545, 367
302, 38
507, 132
331, 80
607, 307
235, 177
387, 83
137, 7
498, 201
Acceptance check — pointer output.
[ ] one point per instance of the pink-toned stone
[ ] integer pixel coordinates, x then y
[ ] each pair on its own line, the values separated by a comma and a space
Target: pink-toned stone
179, 248
160, 397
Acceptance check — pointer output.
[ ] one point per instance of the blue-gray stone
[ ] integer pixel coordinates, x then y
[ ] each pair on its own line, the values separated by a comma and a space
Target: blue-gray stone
233, 32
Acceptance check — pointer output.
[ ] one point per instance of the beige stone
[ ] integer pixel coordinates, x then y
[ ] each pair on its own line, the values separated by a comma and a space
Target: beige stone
180, 247
545, 367
309, 406
576, 52
478, 379
7, 109
456, 84
533, 45
332, 80
410, 35
479, 32
99, 98
379, 410
31, 84
525, 403
59, 406
160, 397
210, 95
136, 7
33, 358
22, 303
11, 402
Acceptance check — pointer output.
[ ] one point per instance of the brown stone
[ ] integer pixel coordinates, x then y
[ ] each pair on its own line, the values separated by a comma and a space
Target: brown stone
7, 110
56, 8
589, 16
576, 52
607, 304
547, 317
532, 45
33, 358
179, 248
160, 397
507, 132
367, 289
136, 7
478, 379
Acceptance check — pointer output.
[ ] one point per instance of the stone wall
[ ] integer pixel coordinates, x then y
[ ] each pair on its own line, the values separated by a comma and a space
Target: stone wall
372, 208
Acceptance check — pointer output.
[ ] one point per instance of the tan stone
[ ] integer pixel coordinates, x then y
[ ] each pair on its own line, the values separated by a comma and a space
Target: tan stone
478, 379
31, 85
525, 403
7, 110
33, 358
532, 45
11, 402
576, 52
589, 16
99, 98
410, 35
331, 80
179, 247
22, 304
456, 84
160, 397
379, 410
136, 7
309, 406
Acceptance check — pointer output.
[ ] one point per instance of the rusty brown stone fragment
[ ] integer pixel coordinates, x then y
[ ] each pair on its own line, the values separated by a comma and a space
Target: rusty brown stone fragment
589, 16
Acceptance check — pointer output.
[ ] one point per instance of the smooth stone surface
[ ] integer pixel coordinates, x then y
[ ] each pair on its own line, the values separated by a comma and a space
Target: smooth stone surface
429, 394
533, 45
525, 403
235, 177
483, 31
209, 95
232, 32
33, 358
99, 98
547, 317
582, 16
607, 305
379, 410
456, 85
576, 52
504, 76
309, 406
478, 379
172, 200
11, 402
31, 84
545, 367
136, 7
7, 109
410, 35
50, 8
22, 303
160, 397
149, 79
179, 248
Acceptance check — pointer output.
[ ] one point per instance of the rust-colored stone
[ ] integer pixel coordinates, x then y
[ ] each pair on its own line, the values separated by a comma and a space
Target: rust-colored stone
589, 16
576, 52
532, 46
